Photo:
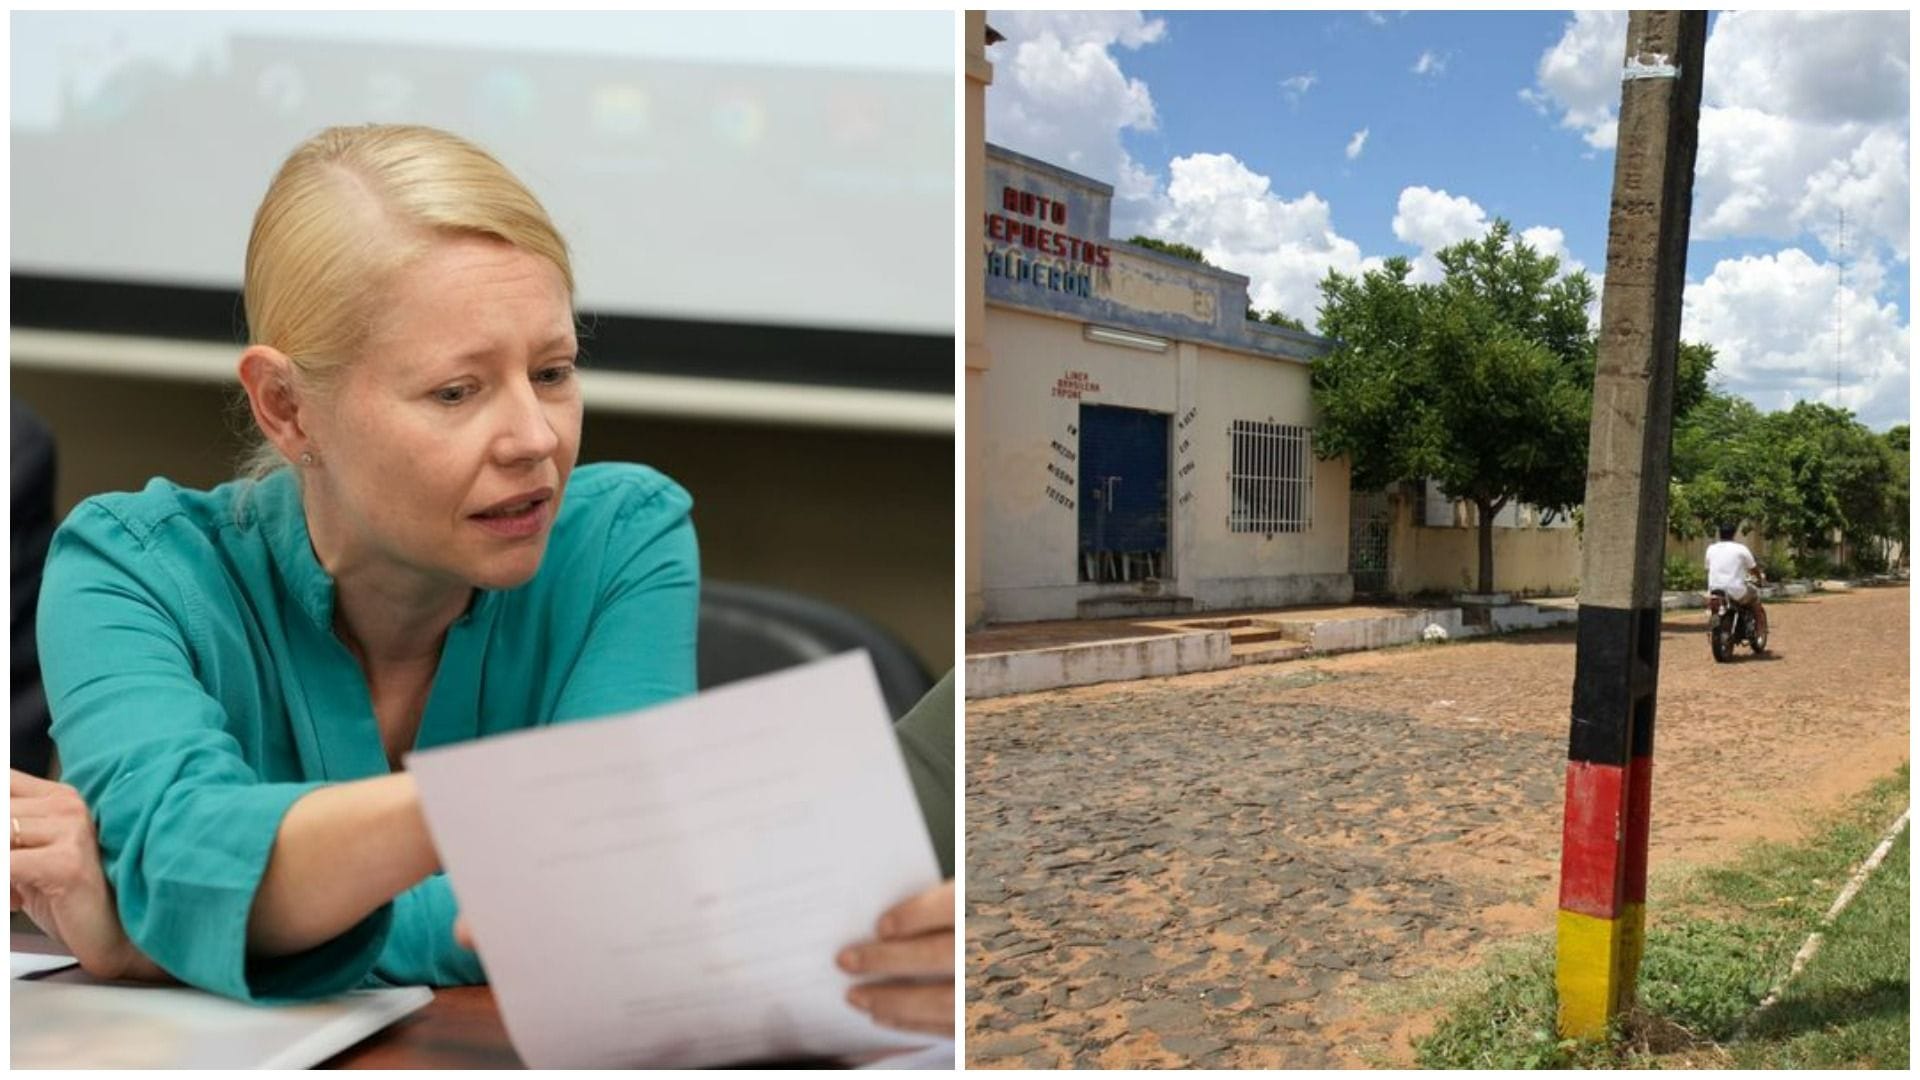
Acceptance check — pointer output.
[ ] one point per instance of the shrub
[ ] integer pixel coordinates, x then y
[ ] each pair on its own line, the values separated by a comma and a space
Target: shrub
1682, 574
1870, 558
1784, 567
1817, 567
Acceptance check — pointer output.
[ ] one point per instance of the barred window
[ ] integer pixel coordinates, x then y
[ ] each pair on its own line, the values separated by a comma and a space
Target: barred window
1272, 478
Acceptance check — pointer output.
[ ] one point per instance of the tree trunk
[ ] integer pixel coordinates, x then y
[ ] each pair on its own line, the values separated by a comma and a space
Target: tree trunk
1487, 511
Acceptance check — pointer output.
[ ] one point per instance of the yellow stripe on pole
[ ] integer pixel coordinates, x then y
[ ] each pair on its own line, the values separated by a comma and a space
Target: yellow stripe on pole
1633, 944
1589, 972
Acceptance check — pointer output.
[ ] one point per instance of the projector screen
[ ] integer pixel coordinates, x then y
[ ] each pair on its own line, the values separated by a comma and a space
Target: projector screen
785, 170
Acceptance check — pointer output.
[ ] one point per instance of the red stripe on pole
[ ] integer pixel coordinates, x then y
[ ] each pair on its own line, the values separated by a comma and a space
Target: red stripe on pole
1592, 847
1639, 821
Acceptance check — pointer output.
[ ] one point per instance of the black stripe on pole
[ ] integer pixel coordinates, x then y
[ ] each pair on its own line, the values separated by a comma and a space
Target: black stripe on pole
1613, 678
1649, 671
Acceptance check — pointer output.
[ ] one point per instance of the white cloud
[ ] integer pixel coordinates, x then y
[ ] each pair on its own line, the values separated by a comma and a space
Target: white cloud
1548, 240
1580, 75
1804, 115
1430, 63
1814, 66
1228, 211
1871, 186
1129, 29
1377, 18
1297, 86
1059, 95
1779, 321
1431, 220
1356, 144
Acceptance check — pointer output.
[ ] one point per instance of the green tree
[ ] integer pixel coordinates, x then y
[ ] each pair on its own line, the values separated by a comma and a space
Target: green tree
1721, 471
1171, 247
1799, 474
1275, 318
1840, 474
1900, 488
1481, 382
1693, 366
1725, 469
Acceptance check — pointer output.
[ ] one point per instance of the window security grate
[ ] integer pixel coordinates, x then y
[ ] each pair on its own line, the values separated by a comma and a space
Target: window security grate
1271, 478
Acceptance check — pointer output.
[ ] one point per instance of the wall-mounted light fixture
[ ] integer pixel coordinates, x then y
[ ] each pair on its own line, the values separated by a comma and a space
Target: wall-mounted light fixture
1106, 335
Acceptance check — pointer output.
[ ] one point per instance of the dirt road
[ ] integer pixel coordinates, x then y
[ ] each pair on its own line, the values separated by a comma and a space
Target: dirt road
1209, 870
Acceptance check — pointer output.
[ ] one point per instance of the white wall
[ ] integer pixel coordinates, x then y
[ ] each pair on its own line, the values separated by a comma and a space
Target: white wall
1030, 540
1239, 569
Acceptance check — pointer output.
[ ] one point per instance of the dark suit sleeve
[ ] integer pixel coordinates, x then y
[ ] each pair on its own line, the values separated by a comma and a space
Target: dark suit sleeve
926, 739
33, 476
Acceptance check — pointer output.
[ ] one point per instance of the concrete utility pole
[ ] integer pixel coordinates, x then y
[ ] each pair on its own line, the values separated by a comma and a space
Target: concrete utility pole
1603, 866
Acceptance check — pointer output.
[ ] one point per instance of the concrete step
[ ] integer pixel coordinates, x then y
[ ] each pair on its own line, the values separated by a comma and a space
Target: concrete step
1268, 653
1242, 631
1021, 672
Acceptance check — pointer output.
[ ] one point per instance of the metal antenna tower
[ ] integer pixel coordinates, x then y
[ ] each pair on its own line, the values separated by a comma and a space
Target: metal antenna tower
1839, 306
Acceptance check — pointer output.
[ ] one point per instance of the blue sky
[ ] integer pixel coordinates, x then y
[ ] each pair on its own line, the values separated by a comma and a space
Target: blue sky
1286, 143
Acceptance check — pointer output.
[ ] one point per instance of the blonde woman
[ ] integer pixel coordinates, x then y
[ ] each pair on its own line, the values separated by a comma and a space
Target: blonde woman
234, 675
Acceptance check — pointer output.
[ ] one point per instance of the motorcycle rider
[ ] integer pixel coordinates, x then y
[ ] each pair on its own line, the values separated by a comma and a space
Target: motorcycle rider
1727, 564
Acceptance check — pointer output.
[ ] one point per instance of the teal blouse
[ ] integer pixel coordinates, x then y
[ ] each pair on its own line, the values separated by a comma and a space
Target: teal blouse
198, 690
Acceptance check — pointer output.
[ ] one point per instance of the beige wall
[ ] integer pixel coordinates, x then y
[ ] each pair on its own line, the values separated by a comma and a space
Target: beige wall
1030, 542
1531, 562
1527, 562
1695, 550
862, 520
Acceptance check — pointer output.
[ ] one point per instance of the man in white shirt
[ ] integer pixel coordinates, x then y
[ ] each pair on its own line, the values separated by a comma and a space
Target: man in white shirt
1727, 565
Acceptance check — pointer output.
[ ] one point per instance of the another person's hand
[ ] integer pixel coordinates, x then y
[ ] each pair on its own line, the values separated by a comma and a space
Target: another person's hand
913, 960
58, 882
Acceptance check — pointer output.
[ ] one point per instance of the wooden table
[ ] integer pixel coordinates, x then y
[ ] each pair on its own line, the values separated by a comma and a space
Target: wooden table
459, 1029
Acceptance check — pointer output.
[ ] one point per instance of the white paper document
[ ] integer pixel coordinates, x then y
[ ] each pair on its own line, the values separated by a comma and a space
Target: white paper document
671, 887
27, 963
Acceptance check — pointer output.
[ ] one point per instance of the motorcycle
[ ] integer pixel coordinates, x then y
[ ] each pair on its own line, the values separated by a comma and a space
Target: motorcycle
1730, 624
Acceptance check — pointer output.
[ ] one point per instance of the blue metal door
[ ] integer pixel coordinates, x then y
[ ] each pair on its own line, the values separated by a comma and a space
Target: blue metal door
1123, 494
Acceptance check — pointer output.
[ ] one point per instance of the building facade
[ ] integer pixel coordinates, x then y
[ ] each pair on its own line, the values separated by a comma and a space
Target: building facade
1139, 445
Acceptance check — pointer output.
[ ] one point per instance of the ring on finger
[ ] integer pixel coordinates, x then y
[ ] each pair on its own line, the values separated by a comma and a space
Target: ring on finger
16, 832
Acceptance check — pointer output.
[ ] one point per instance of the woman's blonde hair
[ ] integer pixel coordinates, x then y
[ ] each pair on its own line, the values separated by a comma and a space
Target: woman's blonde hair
348, 208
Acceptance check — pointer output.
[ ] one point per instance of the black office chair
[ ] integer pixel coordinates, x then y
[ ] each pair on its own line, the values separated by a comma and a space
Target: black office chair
748, 630
33, 522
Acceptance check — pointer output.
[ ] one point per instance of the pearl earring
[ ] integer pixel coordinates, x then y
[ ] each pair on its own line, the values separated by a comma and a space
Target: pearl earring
306, 457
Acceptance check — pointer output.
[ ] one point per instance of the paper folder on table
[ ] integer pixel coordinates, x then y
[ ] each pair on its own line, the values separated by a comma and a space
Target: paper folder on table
87, 1024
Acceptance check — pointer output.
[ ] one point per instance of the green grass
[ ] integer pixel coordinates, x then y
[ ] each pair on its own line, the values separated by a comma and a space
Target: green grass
1850, 1006
1718, 939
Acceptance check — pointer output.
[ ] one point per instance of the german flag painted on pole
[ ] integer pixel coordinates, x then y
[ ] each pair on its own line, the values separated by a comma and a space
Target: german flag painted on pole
1603, 861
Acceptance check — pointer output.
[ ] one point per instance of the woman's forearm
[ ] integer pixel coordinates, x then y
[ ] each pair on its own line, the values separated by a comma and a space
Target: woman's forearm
342, 852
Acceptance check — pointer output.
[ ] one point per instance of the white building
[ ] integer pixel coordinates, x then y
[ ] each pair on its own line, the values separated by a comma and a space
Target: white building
1142, 446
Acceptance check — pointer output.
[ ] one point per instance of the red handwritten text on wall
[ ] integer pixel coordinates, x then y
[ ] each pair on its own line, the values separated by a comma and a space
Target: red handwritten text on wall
1073, 384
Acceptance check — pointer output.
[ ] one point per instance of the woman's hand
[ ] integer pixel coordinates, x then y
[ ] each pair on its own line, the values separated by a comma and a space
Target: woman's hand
58, 882
914, 960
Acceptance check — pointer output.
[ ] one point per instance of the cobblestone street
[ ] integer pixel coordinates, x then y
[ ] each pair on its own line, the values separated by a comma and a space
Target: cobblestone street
1214, 870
